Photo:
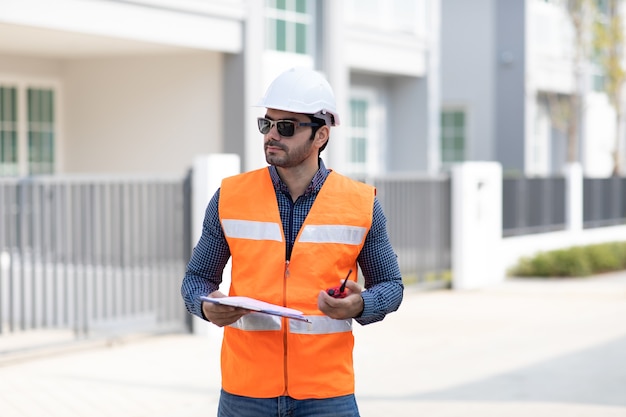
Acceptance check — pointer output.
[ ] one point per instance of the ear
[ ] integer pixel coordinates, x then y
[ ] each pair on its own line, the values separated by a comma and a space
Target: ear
322, 135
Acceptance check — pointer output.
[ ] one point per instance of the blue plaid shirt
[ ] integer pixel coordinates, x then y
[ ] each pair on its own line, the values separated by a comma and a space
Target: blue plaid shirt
377, 260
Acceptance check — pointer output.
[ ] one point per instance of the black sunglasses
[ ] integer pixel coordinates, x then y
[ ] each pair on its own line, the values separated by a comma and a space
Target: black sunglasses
285, 128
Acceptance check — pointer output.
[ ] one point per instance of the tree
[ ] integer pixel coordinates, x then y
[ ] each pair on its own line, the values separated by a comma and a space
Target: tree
609, 49
566, 110
571, 108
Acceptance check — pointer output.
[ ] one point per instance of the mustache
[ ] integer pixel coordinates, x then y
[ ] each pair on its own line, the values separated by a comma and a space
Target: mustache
274, 144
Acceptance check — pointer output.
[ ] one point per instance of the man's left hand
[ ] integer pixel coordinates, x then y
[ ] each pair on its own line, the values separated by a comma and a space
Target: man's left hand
342, 308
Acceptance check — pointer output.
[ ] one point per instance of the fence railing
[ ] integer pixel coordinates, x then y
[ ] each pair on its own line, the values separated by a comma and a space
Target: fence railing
538, 205
418, 221
532, 205
419, 225
604, 202
88, 254
94, 254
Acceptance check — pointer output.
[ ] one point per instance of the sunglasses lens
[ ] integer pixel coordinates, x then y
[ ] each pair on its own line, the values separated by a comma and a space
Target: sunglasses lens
264, 125
286, 128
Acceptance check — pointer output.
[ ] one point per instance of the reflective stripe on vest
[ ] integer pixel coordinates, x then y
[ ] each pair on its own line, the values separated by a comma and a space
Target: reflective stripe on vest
317, 325
320, 325
348, 235
247, 229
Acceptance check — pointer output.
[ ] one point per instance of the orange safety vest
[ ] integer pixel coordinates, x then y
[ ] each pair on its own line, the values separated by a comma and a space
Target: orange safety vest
267, 356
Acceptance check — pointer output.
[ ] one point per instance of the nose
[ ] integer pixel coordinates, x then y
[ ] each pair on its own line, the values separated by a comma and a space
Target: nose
273, 133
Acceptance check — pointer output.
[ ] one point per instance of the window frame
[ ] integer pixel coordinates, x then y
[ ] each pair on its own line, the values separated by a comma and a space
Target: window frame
370, 132
24, 165
291, 18
444, 137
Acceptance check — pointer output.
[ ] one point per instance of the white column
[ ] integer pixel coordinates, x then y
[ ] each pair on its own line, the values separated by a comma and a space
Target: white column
476, 225
433, 91
573, 196
338, 75
254, 85
208, 172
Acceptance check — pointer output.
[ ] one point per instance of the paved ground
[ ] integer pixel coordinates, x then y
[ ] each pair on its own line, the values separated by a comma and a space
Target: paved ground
523, 348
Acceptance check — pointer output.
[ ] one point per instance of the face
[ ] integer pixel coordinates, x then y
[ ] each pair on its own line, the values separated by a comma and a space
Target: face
289, 151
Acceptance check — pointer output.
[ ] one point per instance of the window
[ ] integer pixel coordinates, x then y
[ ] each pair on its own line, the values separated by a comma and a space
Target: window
452, 136
40, 131
27, 131
363, 147
598, 78
602, 28
289, 26
8, 131
358, 137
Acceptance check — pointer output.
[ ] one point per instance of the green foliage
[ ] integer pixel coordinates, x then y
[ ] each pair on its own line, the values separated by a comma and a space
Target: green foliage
575, 261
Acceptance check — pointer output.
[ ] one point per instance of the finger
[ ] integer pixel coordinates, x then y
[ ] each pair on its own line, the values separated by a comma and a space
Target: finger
225, 318
330, 305
354, 287
323, 300
216, 294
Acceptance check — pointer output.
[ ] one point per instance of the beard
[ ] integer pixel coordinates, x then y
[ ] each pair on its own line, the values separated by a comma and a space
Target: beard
287, 157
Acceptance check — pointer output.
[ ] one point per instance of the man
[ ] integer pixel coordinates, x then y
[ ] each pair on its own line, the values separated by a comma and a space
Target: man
294, 230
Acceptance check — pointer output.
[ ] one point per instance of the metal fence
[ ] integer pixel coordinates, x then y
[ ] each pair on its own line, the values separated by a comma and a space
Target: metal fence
532, 205
604, 202
538, 205
108, 254
418, 211
91, 254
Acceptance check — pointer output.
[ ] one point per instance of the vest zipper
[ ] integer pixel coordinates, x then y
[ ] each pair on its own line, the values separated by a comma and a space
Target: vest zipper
285, 326
288, 250
290, 236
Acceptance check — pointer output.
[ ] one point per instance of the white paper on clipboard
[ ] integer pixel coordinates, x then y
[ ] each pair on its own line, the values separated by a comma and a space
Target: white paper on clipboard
258, 306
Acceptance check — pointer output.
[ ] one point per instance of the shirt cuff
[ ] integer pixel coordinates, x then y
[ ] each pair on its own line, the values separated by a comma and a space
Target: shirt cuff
199, 311
368, 303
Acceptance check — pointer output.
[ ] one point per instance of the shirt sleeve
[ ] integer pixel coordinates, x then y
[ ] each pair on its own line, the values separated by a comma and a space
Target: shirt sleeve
381, 272
207, 262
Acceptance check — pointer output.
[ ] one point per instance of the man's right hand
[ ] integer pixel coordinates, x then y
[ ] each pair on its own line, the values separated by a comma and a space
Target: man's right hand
221, 315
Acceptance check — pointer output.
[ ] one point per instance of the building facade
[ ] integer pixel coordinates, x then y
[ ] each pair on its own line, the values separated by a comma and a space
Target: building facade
507, 68
141, 86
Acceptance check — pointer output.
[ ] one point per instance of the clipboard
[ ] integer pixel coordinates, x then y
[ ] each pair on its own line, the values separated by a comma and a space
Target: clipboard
258, 306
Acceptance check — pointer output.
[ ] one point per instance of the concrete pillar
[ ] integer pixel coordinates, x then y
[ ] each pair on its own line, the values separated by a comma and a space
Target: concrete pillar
208, 172
433, 90
476, 225
254, 82
573, 196
337, 73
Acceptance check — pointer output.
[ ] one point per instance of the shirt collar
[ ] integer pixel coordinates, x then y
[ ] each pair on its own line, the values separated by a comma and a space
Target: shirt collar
313, 188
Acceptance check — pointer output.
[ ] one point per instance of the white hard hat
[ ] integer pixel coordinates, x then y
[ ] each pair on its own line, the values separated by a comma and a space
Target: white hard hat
302, 90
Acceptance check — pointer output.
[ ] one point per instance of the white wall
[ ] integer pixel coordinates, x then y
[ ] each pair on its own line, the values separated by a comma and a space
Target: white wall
468, 70
476, 224
141, 114
550, 37
599, 134
194, 28
480, 256
24, 67
389, 37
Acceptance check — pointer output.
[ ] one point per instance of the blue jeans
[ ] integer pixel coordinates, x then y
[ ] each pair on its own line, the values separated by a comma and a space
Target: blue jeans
236, 406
